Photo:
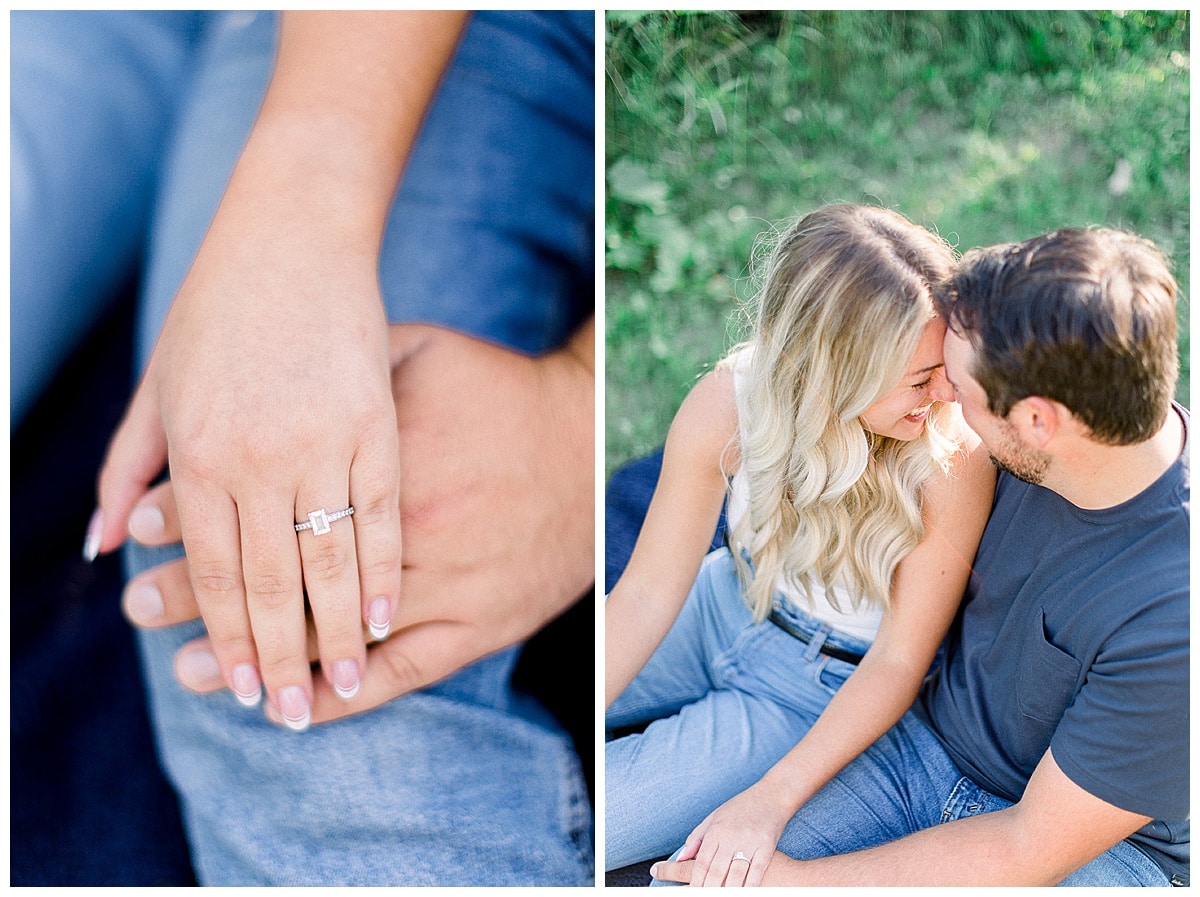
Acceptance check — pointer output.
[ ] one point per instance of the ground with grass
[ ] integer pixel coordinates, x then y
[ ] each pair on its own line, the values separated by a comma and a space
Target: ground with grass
986, 126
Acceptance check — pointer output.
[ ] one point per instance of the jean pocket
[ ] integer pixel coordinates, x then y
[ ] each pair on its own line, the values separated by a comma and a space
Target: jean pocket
833, 673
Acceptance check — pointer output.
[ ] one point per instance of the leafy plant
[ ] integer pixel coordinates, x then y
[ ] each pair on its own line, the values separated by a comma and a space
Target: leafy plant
987, 126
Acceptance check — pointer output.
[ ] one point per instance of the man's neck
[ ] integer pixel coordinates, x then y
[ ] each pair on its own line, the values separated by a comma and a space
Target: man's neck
1097, 476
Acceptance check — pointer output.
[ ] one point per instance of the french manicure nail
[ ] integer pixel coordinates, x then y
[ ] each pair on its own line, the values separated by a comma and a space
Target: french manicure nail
144, 603
294, 707
247, 687
146, 523
91, 544
345, 678
380, 618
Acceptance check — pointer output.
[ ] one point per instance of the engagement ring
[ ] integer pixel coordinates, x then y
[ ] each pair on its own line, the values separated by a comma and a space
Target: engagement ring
740, 856
320, 522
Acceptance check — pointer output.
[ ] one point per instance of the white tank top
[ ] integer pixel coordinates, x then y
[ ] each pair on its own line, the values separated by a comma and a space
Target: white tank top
862, 623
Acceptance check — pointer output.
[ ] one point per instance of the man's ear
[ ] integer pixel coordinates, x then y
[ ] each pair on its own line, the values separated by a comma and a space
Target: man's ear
1037, 420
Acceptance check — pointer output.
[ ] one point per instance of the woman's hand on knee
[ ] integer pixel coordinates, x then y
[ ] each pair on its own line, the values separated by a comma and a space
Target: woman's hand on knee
269, 392
734, 845
477, 519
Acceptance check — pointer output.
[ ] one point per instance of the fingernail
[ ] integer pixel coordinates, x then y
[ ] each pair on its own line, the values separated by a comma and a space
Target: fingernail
345, 678
144, 603
294, 707
197, 668
380, 618
146, 523
91, 544
654, 871
247, 687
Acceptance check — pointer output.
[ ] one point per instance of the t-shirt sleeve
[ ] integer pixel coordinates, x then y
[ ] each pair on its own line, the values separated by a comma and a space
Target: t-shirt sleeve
1124, 739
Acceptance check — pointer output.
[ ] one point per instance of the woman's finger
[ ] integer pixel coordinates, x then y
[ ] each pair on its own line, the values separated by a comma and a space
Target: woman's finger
714, 873
275, 602
704, 859
330, 561
135, 456
375, 489
208, 521
735, 870
758, 867
692, 845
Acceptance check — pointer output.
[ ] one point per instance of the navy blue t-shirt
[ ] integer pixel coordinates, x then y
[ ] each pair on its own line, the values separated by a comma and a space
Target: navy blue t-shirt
1073, 636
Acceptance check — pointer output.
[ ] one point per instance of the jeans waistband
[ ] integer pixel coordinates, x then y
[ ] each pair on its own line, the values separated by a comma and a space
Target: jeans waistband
788, 624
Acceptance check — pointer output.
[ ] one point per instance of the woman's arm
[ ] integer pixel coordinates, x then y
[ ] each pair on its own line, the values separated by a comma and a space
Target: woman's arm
927, 590
269, 387
676, 533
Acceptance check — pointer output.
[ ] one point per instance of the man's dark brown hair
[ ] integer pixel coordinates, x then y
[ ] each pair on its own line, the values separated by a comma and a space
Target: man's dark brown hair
1085, 317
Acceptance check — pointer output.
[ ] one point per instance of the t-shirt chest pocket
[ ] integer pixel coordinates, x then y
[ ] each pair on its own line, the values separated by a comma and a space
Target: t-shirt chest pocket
1047, 677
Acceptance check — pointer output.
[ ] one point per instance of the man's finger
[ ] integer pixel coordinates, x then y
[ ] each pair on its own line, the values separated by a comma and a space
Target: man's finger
154, 520
196, 667
668, 871
410, 659
162, 596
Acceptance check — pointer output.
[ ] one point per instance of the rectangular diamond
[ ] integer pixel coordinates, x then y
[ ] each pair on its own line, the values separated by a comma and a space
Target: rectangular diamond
320, 522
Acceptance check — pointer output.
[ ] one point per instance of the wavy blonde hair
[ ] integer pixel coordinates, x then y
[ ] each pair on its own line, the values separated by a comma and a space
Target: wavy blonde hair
845, 297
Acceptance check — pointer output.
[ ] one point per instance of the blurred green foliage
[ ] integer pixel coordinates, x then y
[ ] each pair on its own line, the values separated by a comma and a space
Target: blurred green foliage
987, 126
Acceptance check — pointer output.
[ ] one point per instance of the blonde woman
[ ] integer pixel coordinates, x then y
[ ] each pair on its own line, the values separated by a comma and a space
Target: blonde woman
857, 497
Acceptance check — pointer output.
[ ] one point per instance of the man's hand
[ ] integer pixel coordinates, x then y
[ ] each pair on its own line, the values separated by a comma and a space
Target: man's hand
1056, 828
497, 507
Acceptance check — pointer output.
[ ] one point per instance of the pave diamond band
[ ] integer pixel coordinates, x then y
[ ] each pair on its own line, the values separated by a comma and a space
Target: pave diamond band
320, 523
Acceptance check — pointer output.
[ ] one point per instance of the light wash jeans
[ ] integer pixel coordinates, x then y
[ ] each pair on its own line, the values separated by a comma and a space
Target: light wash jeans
906, 782
86, 138
727, 699
467, 782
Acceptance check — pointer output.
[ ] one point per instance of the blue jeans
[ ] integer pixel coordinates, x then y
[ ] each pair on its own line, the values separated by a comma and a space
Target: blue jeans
467, 782
906, 782
93, 96
726, 699
491, 232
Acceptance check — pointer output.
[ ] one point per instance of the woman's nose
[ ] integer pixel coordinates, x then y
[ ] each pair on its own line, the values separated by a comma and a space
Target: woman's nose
939, 388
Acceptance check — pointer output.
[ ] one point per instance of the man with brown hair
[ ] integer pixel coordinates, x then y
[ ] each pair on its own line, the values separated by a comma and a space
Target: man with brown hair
1051, 745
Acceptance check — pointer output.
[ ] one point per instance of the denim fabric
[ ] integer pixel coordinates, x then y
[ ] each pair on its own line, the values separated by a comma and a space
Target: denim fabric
463, 783
727, 698
741, 696
491, 232
906, 782
92, 97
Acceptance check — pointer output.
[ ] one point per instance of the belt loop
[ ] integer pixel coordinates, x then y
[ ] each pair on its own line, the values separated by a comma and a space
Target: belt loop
815, 643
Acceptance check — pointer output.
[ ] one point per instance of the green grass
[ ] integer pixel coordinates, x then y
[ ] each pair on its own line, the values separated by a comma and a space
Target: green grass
987, 126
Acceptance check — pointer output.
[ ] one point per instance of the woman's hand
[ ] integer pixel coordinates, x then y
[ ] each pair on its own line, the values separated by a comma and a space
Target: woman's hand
497, 503
734, 845
269, 390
